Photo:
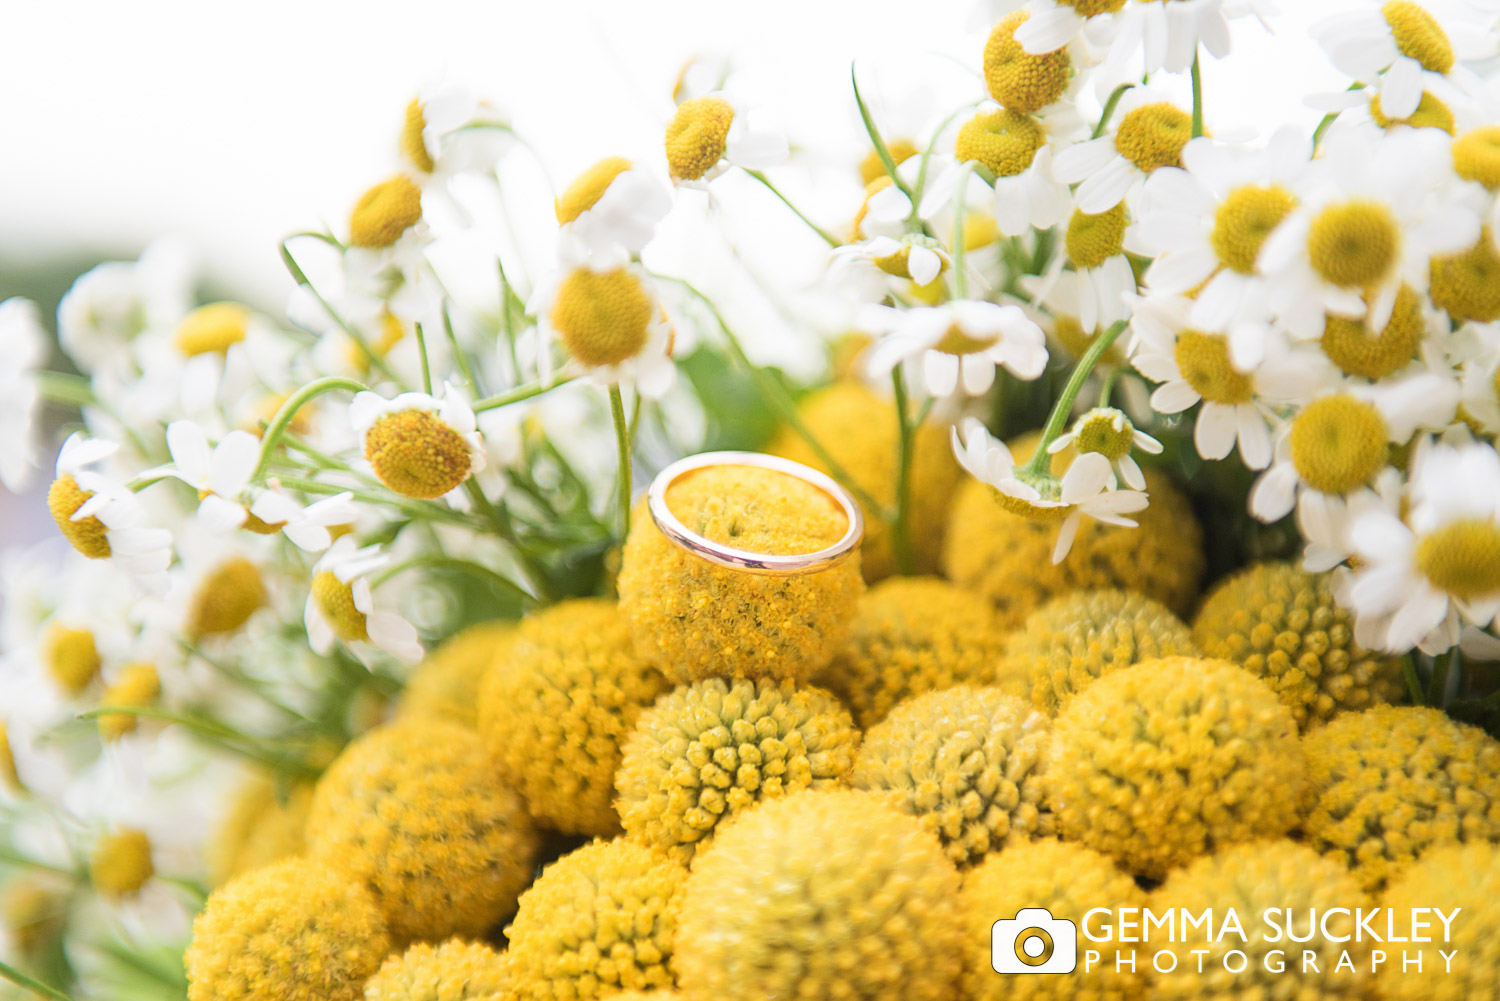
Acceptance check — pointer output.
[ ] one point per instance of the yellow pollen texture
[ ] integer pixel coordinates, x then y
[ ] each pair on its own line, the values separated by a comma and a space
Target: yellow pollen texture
1153, 136
1338, 443
87, 535
336, 601
697, 136
416, 454
1203, 360
71, 657
1462, 558
225, 599
602, 318
121, 863
870, 168
1018, 80
1467, 284
1093, 239
1004, 141
384, 212
1244, 219
1093, 8
1351, 346
413, 144
137, 685
1106, 431
1418, 36
586, 190
211, 329
1353, 244
1476, 156
1430, 114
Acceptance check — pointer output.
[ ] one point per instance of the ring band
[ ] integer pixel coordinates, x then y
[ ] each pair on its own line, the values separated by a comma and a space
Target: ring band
772, 565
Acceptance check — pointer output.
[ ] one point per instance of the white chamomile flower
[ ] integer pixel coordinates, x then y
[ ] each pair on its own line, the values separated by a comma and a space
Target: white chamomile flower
1481, 385
1167, 35
432, 117
102, 518
1096, 246
1148, 133
612, 210
1108, 432
1053, 24
611, 323
109, 306
958, 343
708, 134
221, 475
1083, 490
1017, 149
25, 350
1398, 46
914, 256
419, 445
308, 526
341, 606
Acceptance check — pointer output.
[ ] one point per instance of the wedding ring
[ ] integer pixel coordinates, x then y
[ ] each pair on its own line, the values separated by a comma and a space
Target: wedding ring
774, 565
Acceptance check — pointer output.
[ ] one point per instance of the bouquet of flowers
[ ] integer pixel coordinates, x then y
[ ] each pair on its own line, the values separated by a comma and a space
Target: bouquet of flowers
469, 630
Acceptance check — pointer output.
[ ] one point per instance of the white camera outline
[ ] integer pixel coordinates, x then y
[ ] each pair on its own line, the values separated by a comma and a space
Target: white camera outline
1004, 932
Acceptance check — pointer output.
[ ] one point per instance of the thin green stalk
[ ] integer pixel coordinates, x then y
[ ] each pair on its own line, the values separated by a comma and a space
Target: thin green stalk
937, 135
1197, 100
828, 238
212, 732
901, 526
622, 444
475, 570
300, 277
499, 520
422, 353
1064, 405
1329, 119
64, 387
1114, 376
149, 478
1437, 687
960, 279
10, 858
459, 354
1109, 108
20, 979
288, 410
417, 510
1413, 683
520, 393
881, 150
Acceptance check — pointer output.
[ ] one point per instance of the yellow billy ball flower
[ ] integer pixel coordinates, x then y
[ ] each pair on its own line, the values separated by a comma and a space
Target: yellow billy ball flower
698, 136
1464, 881
292, 931
1467, 284
1476, 156
1154, 135
1255, 881
1174, 758
1004, 141
385, 212
120, 863
264, 823
711, 749
137, 685
1073, 639
1430, 114
602, 317
1390, 783
1244, 219
586, 190
598, 920
1418, 35
212, 329
1093, 239
1069, 880
871, 169
87, 535
417, 454
1354, 243
71, 657
1016, 78
967, 763
697, 619
1351, 346
913, 635
1282, 624
828, 894
453, 971
558, 710
446, 684
858, 429
413, 812
226, 598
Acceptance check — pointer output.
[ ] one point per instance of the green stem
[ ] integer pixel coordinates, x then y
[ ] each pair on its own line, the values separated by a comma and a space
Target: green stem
149, 478
9, 858
901, 526
418, 510
288, 411
1109, 109
1413, 683
828, 238
960, 280
422, 353
499, 519
20, 979
475, 570
921, 184
1064, 405
64, 387
459, 354
1330, 118
1197, 100
522, 392
1110, 380
881, 150
371, 357
1437, 687
622, 443
215, 733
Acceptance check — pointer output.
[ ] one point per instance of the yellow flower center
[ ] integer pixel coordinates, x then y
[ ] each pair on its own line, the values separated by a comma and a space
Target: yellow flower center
1338, 444
980, 230
71, 657
1004, 141
31, 912
1070, 332
1093, 8
1467, 284
602, 317
930, 294
1418, 35
87, 535
260, 526
1017, 79
1153, 135
585, 191
1106, 431
226, 599
1462, 558
879, 184
1049, 487
391, 332
1203, 360
1430, 114
1353, 244
121, 863
384, 212
8, 774
412, 142
211, 329
1243, 221
899, 263
697, 136
1476, 156
138, 685
900, 150
1093, 239
336, 601
416, 454
957, 341
1350, 345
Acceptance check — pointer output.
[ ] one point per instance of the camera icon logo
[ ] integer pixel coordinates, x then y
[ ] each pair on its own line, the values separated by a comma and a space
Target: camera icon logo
1034, 942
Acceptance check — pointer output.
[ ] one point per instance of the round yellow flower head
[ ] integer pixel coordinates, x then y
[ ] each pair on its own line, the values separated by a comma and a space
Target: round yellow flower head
292, 931
446, 684
602, 317
1390, 783
859, 431
264, 824
32, 914
967, 763
700, 620
413, 142
1354, 243
1069, 880
1004, 141
1154, 135
1008, 558
1339, 443
871, 169
392, 329
824, 894
120, 863
1418, 35
417, 454
880, 183
1282, 624
1431, 113
1016, 78
1093, 239
711, 749
227, 597
598, 920
1174, 758
1456, 878
385, 212
456, 970
697, 136
586, 190
87, 535
1244, 219
413, 811
212, 329
1252, 880
1476, 156
71, 657
137, 685
558, 710
913, 635
1467, 284
898, 263
1073, 639
1351, 346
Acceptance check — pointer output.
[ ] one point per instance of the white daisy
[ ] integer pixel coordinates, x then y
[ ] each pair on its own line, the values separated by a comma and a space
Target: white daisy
221, 475
420, 445
1018, 150
1167, 35
709, 134
612, 210
958, 343
308, 526
918, 258
107, 307
1108, 432
141, 552
1148, 132
610, 322
341, 606
25, 349
1398, 47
